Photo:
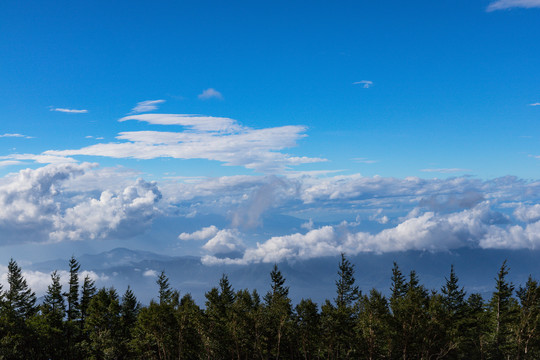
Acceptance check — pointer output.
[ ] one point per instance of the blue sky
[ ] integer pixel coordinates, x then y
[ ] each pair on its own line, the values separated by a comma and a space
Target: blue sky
374, 124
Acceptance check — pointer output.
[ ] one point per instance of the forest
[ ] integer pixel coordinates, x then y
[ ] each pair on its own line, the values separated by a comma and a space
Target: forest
412, 322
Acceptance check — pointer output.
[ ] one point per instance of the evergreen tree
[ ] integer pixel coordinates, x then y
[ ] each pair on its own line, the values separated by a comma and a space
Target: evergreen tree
528, 331
87, 292
19, 298
307, 324
53, 310
72, 295
129, 310
372, 325
347, 292
278, 311
103, 324
18, 340
504, 313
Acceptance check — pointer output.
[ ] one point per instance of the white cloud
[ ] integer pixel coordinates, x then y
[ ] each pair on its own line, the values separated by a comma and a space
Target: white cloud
224, 242
35, 207
193, 122
41, 158
203, 234
446, 170
308, 225
9, 163
211, 138
145, 106
210, 93
527, 213
150, 273
38, 281
16, 136
507, 4
429, 231
72, 111
366, 84
364, 161
535, 104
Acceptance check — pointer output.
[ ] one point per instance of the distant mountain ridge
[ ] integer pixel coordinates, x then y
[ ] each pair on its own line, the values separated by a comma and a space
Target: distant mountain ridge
313, 278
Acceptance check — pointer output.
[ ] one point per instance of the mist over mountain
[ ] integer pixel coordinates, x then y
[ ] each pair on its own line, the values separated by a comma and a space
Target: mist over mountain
313, 278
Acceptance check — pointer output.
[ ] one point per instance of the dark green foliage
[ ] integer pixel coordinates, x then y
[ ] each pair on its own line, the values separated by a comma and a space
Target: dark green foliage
503, 309
413, 323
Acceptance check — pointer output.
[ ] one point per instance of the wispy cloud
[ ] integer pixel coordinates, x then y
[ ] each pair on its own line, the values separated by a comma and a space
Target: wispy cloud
210, 94
364, 160
9, 163
535, 104
446, 170
508, 4
145, 106
366, 84
206, 137
72, 111
7, 135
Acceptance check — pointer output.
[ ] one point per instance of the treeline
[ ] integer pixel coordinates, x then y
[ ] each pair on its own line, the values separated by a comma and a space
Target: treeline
83, 322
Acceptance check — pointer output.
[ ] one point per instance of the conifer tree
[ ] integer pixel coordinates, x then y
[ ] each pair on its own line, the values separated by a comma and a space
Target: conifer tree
528, 331
87, 292
504, 314
53, 310
72, 295
20, 299
278, 311
347, 291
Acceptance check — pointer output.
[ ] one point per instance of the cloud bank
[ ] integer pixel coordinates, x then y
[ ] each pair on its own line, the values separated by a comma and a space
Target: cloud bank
508, 4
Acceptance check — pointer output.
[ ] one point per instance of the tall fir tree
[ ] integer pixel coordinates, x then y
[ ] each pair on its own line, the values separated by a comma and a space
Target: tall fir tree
503, 316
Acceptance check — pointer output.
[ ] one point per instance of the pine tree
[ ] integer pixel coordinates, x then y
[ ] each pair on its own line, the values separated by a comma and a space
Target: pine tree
103, 325
504, 314
455, 307
129, 310
18, 337
278, 311
20, 299
347, 292
53, 310
72, 295
528, 331
87, 292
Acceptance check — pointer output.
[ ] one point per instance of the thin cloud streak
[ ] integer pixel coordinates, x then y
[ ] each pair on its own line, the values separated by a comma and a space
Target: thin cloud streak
72, 111
508, 4
8, 135
446, 170
366, 84
145, 106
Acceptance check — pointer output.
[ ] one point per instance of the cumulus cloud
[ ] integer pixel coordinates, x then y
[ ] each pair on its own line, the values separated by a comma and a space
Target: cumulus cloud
507, 4
366, 84
145, 106
72, 111
210, 93
477, 227
203, 234
150, 273
225, 242
35, 207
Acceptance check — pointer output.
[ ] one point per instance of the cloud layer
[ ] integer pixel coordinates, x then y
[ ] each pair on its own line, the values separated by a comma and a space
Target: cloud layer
507, 4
